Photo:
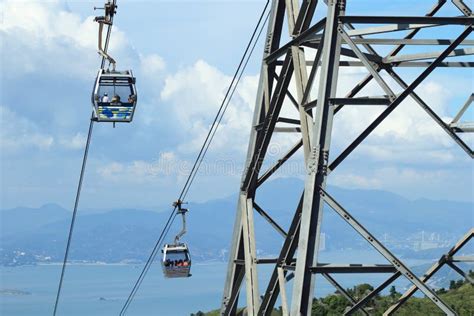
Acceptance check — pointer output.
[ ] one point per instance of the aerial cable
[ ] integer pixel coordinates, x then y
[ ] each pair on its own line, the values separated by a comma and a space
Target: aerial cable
81, 177
152, 256
76, 203
225, 108
225, 102
216, 121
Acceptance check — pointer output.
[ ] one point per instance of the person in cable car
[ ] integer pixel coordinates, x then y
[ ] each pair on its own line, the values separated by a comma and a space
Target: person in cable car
109, 98
176, 261
116, 99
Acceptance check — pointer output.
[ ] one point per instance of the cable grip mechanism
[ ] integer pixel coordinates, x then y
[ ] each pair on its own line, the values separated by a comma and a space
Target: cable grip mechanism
183, 212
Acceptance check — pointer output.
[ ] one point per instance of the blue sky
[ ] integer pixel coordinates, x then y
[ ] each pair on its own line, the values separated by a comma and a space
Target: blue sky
183, 54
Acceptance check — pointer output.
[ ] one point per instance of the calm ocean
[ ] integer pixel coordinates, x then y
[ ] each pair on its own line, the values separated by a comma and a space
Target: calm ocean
102, 289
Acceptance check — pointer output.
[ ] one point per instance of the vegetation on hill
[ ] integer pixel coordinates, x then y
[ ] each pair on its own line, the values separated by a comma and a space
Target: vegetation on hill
459, 296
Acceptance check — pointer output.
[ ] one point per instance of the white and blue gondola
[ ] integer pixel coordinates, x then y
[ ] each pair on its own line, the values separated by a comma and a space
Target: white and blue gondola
114, 97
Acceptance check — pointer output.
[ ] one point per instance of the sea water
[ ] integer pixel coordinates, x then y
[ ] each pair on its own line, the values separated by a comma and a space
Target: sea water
102, 289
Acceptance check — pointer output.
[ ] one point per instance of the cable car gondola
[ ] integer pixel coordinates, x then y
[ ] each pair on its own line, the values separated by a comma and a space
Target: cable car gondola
176, 262
114, 97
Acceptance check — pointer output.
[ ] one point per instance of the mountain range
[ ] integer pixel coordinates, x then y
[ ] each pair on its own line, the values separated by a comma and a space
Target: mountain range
408, 227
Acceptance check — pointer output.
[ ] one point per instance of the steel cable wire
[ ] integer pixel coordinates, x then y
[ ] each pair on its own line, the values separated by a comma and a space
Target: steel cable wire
79, 186
225, 108
205, 146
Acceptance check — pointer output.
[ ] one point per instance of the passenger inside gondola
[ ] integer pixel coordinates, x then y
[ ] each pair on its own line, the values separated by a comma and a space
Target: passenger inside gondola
116, 99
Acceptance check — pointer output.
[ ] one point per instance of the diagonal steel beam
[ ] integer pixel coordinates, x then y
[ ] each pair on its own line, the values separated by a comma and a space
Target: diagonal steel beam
431, 271
263, 137
269, 219
372, 294
400, 98
463, 7
313, 72
463, 109
432, 114
460, 272
267, 174
285, 258
400, 266
296, 41
363, 58
367, 56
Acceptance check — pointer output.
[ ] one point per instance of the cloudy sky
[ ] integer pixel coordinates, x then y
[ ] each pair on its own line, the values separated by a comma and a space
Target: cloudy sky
183, 54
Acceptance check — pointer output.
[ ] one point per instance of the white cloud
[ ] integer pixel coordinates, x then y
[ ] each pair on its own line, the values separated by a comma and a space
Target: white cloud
195, 94
17, 132
152, 66
140, 171
42, 37
412, 182
351, 180
77, 141
112, 169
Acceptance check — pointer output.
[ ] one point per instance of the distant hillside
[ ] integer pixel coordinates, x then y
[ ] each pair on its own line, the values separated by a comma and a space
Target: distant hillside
25, 220
39, 235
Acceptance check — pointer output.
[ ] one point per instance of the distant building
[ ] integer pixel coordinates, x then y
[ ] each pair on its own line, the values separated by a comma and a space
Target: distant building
433, 241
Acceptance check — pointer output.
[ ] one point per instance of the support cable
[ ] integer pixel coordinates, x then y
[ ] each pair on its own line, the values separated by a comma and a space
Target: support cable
227, 104
157, 246
74, 213
81, 178
228, 96
204, 148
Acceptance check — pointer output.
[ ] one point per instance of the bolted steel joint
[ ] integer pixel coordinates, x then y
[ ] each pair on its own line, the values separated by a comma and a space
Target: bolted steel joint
313, 160
323, 167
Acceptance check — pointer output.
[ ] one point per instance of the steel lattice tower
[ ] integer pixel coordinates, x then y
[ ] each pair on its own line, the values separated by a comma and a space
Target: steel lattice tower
339, 40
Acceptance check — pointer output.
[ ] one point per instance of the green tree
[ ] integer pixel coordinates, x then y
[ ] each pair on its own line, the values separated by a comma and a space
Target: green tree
393, 291
452, 285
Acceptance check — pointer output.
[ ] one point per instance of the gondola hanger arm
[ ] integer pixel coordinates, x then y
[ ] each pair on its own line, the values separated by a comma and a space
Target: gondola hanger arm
106, 19
183, 212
